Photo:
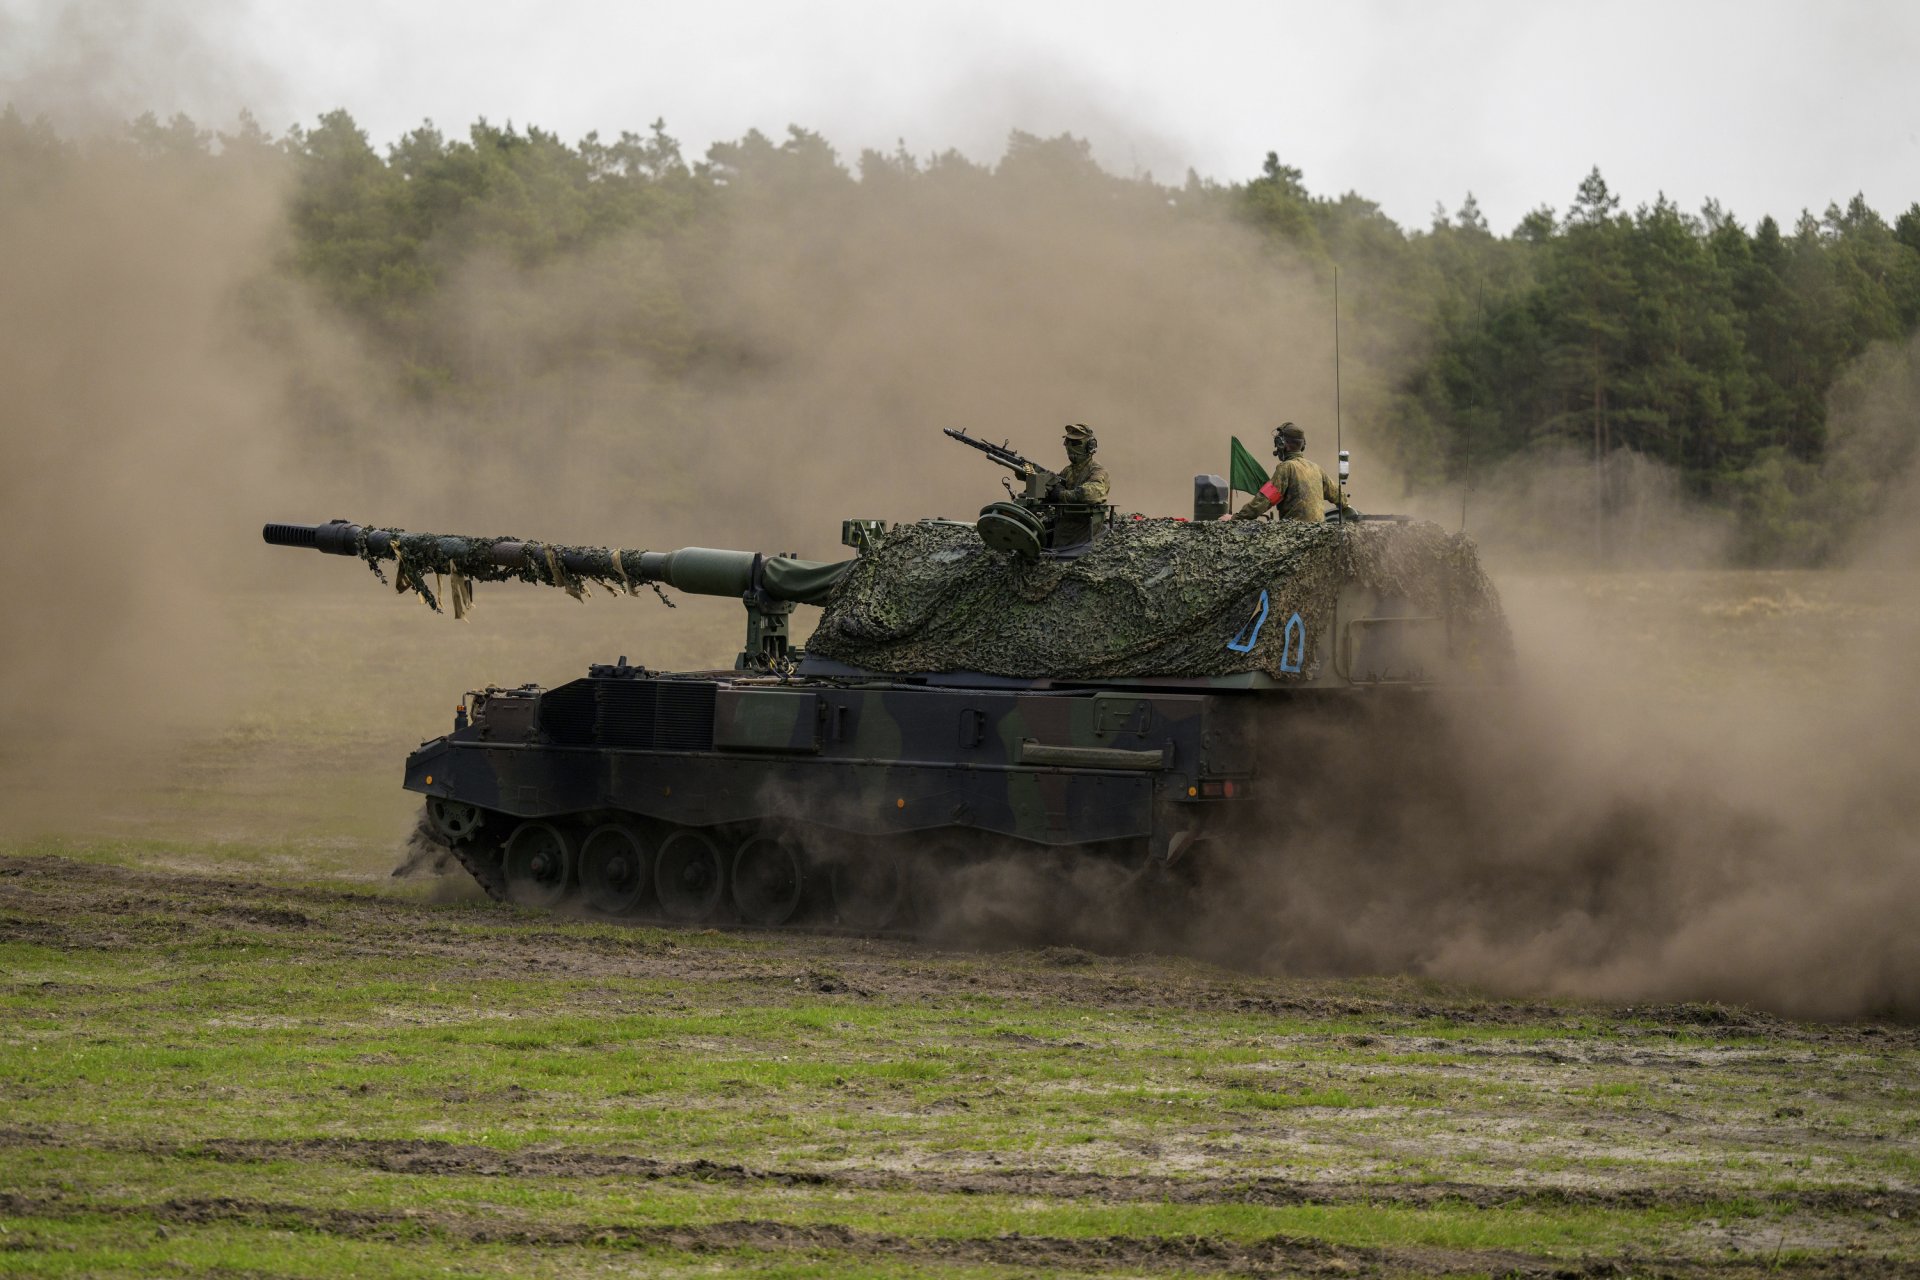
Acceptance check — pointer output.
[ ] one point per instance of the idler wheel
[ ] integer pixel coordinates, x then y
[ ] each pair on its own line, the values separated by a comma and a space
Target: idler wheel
451, 820
689, 876
868, 890
769, 880
1010, 527
616, 869
539, 865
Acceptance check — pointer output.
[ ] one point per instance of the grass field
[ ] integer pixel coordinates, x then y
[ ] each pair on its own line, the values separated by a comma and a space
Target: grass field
232, 1047
275, 1076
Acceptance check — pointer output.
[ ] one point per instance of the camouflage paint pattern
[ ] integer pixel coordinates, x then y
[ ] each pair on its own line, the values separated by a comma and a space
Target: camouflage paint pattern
1053, 768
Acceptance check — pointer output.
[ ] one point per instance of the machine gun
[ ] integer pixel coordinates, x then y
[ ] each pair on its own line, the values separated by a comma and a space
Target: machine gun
1034, 521
769, 586
1040, 481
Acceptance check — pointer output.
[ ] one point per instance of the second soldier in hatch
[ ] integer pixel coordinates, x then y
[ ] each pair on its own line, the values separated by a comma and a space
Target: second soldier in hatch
1084, 480
1298, 487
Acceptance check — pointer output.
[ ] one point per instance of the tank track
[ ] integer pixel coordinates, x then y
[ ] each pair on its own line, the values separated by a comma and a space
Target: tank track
427, 849
485, 871
481, 859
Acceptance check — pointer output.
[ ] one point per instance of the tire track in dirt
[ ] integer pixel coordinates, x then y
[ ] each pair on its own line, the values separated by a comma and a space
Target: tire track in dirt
445, 1159
1043, 1254
52, 901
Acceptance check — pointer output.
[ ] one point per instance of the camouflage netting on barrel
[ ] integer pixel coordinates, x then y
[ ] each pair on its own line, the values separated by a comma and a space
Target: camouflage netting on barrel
1153, 597
457, 562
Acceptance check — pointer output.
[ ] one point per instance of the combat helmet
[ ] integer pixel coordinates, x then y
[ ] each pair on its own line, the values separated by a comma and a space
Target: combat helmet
1288, 440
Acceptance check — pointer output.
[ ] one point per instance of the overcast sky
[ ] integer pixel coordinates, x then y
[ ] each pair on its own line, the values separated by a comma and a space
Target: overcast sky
1771, 107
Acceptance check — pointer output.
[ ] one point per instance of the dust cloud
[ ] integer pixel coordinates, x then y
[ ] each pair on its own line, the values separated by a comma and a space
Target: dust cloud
841, 335
1699, 787
134, 430
1553, 508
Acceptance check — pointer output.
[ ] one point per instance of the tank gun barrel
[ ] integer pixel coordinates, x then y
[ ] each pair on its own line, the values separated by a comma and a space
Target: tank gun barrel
707, 571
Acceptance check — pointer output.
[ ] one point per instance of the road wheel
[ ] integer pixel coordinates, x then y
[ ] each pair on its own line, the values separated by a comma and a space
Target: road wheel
616, 869
539, 865
868, 890
689, 877
769, 880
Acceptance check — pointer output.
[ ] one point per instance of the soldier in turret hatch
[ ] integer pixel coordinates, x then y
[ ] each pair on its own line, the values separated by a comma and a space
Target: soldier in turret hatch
1084, 480
1297, 488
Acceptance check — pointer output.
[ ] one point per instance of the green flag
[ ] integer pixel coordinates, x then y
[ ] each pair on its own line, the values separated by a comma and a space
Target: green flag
1245, 472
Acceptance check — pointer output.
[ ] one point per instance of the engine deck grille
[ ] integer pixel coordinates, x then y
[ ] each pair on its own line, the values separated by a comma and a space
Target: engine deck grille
683, 718
567, 714
626, 713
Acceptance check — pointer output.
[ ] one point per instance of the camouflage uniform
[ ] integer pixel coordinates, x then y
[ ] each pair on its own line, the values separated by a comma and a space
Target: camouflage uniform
1298, 489
1083, 481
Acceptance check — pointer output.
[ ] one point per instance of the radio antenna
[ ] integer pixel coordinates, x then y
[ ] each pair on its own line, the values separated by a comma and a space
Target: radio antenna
1340, 452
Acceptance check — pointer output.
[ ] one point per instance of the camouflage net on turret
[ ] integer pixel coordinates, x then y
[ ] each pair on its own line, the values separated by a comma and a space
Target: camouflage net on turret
1153, 597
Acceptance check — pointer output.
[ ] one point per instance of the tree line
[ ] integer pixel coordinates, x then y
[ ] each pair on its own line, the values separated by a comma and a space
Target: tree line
1714, 348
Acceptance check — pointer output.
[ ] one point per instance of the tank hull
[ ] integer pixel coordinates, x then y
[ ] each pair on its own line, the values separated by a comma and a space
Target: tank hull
842, 771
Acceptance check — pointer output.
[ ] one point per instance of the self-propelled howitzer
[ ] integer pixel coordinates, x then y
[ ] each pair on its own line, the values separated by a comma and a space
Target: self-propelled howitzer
1107, 706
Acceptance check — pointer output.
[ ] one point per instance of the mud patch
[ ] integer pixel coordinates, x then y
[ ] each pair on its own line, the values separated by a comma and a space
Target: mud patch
444, 1158
420, 1157
1189, 1254
273, 917
1045, 1254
